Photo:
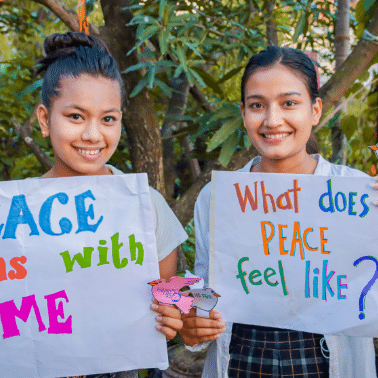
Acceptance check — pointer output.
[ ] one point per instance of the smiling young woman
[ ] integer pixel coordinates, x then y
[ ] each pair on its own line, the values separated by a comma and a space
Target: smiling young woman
278, 115
82, 95
84, 125
280, 104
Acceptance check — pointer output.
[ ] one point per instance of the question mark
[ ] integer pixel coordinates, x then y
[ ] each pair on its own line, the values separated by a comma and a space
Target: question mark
368, 286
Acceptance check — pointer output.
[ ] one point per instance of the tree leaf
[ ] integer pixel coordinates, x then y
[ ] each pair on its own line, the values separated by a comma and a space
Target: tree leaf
136, 67
368, 4
348, 125
300, 26
208, 80
139, 86
230, 74
228, 149
224, 132
163, 40
30, 88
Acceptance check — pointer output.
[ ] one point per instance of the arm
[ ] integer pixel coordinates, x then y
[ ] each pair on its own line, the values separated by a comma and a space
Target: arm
196, 329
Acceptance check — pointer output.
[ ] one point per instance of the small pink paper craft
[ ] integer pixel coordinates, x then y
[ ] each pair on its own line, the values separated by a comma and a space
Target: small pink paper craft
169, 292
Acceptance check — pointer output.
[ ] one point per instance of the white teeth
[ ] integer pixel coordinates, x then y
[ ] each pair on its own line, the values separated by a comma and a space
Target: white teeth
276, 136
89, 152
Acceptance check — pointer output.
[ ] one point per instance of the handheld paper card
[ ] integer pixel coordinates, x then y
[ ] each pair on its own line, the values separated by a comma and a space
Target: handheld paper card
295, 251
169, 292
75, 255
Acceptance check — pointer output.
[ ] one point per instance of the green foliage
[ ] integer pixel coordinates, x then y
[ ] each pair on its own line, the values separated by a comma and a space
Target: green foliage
188, 247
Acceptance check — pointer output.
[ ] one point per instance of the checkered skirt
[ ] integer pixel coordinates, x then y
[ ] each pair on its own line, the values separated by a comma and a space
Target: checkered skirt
261, 352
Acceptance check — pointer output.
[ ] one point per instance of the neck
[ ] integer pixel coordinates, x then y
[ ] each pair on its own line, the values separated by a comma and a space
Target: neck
303, 164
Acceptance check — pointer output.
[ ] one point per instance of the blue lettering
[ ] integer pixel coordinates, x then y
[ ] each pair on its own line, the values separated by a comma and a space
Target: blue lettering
83, 214
19, 213
45, 215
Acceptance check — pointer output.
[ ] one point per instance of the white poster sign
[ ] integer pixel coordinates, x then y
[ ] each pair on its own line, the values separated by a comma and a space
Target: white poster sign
76, 255
295, 251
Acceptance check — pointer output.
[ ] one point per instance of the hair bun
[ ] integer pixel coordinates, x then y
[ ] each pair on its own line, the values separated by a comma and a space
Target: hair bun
58, 41
58, 46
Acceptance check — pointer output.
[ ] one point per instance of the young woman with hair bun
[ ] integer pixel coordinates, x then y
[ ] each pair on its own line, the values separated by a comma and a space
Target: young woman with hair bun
81, 112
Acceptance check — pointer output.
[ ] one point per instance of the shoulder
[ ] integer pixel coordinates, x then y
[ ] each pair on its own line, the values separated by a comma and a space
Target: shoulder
325, 168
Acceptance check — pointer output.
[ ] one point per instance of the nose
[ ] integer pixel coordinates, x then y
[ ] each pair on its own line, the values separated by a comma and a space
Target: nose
273, 116
92, 132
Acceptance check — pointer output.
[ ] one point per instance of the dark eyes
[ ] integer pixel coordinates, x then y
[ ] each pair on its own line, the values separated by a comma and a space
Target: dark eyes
75, 116
78, 117
259, 105
108, 119
290, 103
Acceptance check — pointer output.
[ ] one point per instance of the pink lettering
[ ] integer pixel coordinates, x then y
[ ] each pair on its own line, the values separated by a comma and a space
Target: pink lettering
9, 311
55, 311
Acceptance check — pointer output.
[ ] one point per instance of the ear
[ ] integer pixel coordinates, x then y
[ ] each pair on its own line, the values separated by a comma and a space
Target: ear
242, 110
317, 111
43, 119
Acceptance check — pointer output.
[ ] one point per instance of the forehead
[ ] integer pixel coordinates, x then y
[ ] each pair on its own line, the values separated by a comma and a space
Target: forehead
90, 90
277, 78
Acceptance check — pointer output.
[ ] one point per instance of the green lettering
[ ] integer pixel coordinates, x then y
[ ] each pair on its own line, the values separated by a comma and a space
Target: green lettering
133, 247
83, 261
115, 252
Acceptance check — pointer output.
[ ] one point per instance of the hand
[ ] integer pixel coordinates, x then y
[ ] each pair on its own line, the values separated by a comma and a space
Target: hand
197, 330
169, 319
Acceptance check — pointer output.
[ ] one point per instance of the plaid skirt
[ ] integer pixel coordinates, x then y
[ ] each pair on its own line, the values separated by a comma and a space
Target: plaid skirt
261, 352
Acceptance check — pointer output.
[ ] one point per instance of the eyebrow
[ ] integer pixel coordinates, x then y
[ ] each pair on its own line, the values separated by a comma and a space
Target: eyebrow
280, 95
83, 110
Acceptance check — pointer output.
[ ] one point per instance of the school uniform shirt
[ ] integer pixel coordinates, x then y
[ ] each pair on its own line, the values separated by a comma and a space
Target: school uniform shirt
350, 357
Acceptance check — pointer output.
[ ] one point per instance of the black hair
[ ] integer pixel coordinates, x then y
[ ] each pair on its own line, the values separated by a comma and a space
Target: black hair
73, 54
291, 58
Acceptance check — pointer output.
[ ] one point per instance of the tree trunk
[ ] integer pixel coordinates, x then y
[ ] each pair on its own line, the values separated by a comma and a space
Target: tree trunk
342, 50
140, 118
271, 27
176, 108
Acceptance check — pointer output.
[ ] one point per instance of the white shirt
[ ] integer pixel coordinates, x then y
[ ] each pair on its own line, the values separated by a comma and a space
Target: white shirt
350, 357
168, 230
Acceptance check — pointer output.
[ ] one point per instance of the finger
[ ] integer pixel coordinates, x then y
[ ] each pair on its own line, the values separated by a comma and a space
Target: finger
193, 341
169, 311
192, 313
167, 331
199, 322
214, 314
202, 332
173, 323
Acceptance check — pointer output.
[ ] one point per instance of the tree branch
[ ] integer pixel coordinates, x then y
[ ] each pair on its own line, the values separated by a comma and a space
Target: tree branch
25, 133
184, 207
67, 15
332, 91
201, 99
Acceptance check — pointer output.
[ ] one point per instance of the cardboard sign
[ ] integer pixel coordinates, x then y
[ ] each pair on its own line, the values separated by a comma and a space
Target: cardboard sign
295, 251
75, 256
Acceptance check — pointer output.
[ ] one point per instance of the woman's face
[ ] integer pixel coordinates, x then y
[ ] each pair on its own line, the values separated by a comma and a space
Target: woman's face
84, 124
278, 113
